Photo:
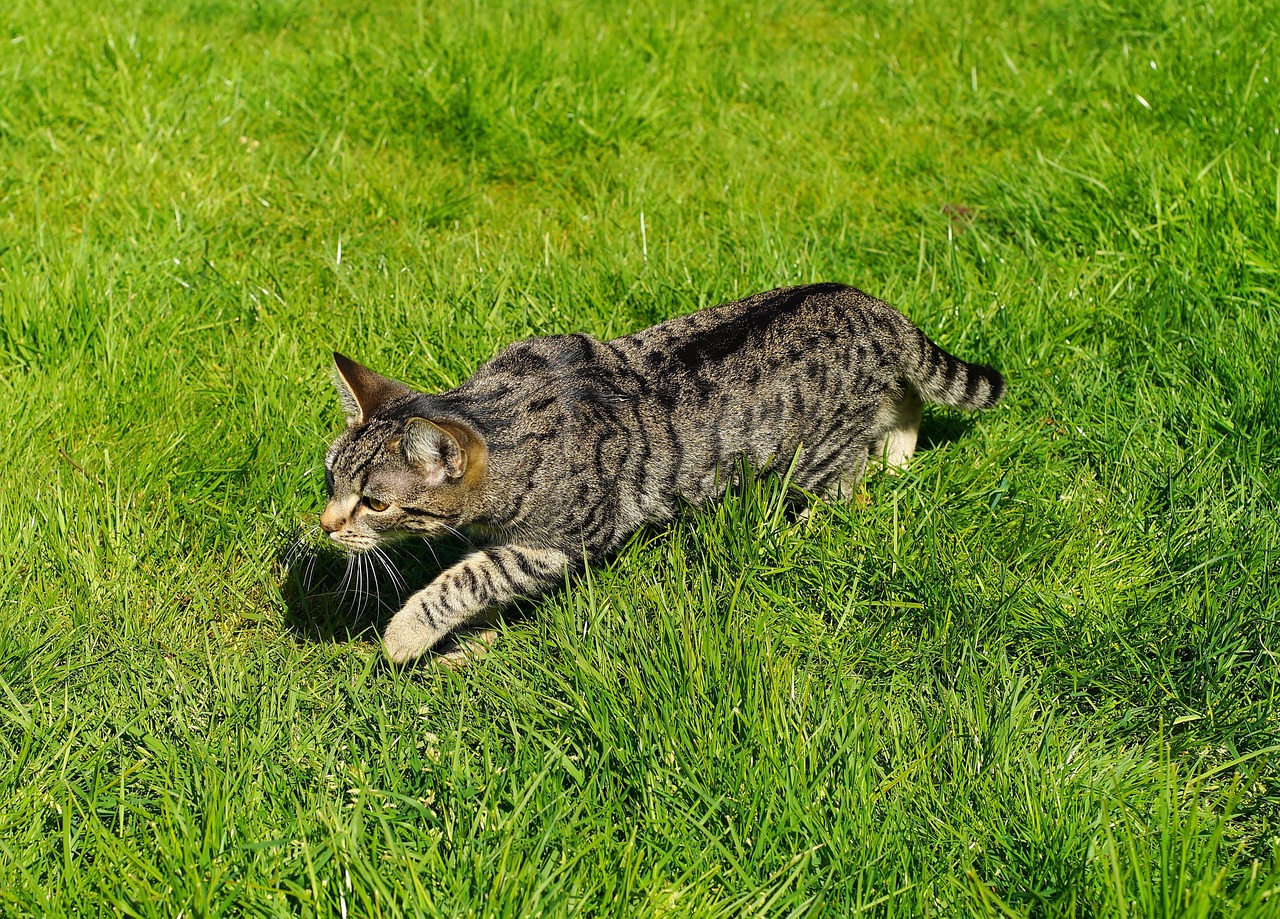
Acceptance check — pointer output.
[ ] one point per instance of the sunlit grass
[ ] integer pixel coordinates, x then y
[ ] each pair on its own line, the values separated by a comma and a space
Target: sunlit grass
1035, 675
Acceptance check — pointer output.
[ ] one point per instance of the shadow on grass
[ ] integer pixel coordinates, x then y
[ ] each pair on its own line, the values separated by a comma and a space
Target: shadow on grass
937, 429
334, 597
331, 596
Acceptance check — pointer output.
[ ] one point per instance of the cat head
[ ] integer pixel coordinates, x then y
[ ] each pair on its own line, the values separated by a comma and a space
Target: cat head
394, 471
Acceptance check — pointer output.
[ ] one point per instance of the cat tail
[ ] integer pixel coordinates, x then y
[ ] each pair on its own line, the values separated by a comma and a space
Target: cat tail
939, 377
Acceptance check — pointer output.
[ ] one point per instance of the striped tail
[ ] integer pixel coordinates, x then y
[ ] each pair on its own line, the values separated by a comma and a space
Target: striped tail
939, 377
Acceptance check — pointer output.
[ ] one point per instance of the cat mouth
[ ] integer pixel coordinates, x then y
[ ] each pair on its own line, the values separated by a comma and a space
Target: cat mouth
354, 544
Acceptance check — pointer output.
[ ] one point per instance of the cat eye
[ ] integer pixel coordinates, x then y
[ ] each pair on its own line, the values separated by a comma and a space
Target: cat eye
374, 504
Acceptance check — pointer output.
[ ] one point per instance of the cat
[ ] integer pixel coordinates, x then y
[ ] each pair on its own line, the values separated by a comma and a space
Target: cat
561, 447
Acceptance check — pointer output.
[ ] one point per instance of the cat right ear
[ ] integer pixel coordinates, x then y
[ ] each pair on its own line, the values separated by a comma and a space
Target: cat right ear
444, 450
361, 391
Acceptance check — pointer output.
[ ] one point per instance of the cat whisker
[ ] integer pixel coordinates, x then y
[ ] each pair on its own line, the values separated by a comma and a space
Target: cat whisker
382, 558
308, 576
303, 546
341, 589
362, 585
371, 582
378, 559
360, 594
458, 533
351, 590
293, 553
434, 555
299, 544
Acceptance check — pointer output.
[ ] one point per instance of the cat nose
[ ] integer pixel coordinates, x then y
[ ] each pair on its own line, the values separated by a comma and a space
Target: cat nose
330, 520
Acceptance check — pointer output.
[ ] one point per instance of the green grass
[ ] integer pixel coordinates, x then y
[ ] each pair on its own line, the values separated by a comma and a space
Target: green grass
1035, 676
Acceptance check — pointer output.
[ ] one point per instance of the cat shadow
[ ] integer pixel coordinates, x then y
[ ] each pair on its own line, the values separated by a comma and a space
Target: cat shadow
332, 597
938, 428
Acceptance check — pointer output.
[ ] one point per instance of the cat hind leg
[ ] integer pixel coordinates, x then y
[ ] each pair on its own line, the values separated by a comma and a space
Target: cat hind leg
846, 484
899, 421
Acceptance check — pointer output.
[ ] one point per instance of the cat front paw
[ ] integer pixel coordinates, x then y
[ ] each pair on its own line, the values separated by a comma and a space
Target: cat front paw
407, 638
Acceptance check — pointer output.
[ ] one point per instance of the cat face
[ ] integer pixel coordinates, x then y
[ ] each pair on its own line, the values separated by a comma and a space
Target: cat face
394, 473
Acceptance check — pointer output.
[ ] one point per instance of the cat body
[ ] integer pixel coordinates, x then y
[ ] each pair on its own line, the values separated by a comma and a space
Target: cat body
561, 447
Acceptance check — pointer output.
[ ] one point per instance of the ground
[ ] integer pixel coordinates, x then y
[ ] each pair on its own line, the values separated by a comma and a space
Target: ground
1035, 675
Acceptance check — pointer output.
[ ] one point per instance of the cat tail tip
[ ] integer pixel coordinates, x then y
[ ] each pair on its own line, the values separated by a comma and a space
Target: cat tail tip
941, 378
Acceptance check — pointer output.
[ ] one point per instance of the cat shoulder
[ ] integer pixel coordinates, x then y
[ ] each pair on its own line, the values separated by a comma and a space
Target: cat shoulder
545, 354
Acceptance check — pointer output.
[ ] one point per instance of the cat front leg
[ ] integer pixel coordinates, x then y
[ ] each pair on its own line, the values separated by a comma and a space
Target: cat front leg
490, 577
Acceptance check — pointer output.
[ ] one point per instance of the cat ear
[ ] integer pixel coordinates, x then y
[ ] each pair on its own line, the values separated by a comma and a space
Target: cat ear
443, 450
361, 391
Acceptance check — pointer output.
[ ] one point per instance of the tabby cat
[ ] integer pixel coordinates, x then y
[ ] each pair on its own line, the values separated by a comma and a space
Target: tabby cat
561, 447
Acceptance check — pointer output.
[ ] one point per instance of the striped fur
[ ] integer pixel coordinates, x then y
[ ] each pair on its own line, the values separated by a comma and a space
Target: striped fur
560, 447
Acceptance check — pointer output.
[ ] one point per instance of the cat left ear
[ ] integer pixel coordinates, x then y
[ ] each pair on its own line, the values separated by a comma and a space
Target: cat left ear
443, 450
361, 391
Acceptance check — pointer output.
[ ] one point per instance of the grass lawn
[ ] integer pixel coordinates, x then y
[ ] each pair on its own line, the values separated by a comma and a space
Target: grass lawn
1035, 676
